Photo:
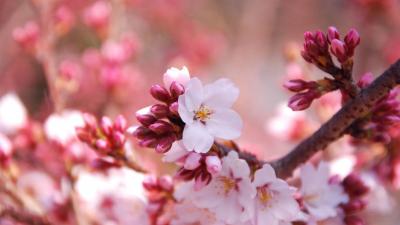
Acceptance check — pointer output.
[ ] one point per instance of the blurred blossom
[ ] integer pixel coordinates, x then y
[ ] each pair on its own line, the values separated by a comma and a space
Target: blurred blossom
13, 115
98, 14
381, 199
60, 127
115, 197
27, 35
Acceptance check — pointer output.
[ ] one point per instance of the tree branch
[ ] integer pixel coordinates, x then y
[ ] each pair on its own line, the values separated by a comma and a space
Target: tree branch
22, 216
335, 127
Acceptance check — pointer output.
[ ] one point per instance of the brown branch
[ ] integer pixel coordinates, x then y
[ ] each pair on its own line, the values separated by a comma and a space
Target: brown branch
335, 127
22, 216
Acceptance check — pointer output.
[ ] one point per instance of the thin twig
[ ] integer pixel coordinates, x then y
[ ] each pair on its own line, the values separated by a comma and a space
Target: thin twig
22, 216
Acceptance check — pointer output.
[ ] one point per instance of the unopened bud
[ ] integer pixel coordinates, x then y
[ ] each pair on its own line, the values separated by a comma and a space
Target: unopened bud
192, 161
213, 164
159, 110
160, 93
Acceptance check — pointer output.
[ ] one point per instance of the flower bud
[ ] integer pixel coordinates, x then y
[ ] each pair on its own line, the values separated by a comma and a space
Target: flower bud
173, 108
353, 220
213, 164
296, 85
306, 56
333, 33
118, 139
176, 89
120, 123
321, 40
354, 185
150, 182
166, 183
90, 121
308, 35
159, 110
160, 93
146, 119
352, 38
354, 206
102, 145
83, 135
192, 161
365, 80
338, 49
106, 125
175, 75
140, 132
98, 14
161, 127
165, 143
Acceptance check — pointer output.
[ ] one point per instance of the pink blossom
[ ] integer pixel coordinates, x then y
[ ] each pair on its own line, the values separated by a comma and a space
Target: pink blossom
60, 127
13, 115
98, 14
181, 76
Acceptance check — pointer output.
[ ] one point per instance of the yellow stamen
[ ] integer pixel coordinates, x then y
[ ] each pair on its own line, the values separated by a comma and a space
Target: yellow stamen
264, 195
203, 113
228, 183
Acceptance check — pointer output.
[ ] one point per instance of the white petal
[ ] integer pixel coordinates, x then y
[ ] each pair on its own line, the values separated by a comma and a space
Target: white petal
196, 138
186, 115
176, 152
232, 163
194, 94
221, 93
225, 124
264, 175
13, 114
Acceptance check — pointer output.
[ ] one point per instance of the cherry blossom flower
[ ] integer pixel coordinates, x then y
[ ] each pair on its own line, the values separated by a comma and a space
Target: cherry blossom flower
207, 114
275, 202
182, 76
13, 115
230, 194
320, 196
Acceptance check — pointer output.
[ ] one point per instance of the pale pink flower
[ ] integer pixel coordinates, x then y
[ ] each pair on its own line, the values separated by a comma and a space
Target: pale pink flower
230, 194
320, 197
5, 149
27, 36
173, 74
13, 115
207, 114
61, 127
275, 202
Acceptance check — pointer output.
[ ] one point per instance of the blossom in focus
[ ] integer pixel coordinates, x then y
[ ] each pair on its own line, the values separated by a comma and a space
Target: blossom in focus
60, 127
320, 196
275, 202
207, 114
173, 74
13, 115
230, 194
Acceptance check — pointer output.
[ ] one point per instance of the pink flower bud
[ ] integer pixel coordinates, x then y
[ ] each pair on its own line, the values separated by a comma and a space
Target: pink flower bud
302, 101
166, 183
165, 143
149, 142
175, 75
103, 164
102, 145
140, 132
90, 121
159, 110
308, 35
338, 49
113, 52
120, 123
185, 174
176, 89
118, 139
296, 85
69, 70
146, 120
352, 38
161, 127
98, 14
192, 161
321, 39
354, 186
311, 47
333, 33
160, 93
150, 182
213, 164
354, 206
83, 135
106, 125
365, 80
173, 108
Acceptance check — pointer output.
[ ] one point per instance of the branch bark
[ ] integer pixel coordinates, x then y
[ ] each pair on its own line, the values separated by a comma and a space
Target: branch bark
335, 127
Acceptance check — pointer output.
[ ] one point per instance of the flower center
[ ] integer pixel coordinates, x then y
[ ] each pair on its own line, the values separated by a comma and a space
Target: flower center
264, 195
228, 183
203, 113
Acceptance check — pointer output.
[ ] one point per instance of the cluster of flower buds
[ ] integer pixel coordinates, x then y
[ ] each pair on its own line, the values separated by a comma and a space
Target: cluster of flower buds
106, 136
27, 36
318, 48
376, 126
160, 123
307, 92
356, 190
159, 193
200, 167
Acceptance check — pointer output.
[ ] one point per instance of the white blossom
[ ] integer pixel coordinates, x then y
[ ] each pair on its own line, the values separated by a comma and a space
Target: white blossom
206, 111
13, 115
